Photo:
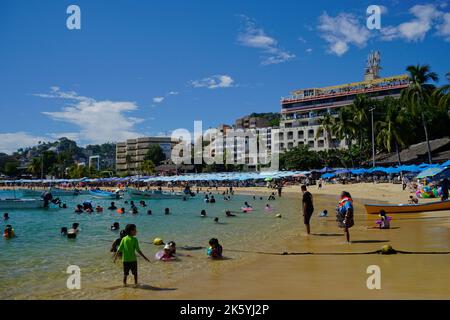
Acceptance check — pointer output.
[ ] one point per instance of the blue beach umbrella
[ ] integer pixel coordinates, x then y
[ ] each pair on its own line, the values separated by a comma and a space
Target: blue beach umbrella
431, 172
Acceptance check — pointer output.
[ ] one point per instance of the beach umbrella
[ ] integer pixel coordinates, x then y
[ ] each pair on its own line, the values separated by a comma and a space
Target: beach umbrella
431, 172
358, 171
342, 171
325, 170
446, 164
328, 175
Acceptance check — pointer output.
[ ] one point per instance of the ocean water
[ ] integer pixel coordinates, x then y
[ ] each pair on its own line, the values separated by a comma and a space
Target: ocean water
33, 265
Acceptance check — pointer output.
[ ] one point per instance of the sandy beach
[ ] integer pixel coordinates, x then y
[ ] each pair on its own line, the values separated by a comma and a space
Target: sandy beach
331, 276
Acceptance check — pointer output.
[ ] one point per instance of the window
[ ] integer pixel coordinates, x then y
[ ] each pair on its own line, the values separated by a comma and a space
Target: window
311, 133
301, 134
321, 144
311, 144
290, 135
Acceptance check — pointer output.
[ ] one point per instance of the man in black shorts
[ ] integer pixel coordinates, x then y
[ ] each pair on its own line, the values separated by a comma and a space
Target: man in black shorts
308, 207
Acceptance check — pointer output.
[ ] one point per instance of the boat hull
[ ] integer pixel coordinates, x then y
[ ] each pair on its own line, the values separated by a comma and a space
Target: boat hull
103, 195
20, 204
408, 208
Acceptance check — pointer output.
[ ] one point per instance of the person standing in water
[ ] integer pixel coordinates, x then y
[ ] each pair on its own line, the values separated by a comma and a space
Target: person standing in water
308, 208
345, 213
128, 246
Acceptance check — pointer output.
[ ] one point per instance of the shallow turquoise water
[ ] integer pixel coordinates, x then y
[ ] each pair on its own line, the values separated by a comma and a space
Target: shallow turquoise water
34, 263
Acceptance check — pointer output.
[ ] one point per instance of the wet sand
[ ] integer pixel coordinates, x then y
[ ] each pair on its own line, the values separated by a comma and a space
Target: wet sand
266, 276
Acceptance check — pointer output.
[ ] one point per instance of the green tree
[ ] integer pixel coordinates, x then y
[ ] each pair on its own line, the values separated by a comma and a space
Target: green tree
345, 129
326, 126
147, 167
155, 154
35, 167
393, 129
419, 95
360, 110
11, 169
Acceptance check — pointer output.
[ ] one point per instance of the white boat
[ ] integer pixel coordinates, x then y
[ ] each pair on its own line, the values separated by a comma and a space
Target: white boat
100, 194
12, 204
154, 194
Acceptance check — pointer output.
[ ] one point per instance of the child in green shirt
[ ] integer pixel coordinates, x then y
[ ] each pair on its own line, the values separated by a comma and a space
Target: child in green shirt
128, 247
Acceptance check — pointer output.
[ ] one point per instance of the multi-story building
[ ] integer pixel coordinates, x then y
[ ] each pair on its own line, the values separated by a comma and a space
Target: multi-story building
251, 122
131, 154
302, 111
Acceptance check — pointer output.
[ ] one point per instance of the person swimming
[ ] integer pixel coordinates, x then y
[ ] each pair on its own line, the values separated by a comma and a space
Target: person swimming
121, 211
246, 205
216, 220
149, 212
9, 233
215, 249
212, 200
72, 232
64, 231
112, 206
142, 204
116, 242
203, 213
134, 210
79, 209
5, 216
99, 209
115, 226
166, 211
173, 247
229, 214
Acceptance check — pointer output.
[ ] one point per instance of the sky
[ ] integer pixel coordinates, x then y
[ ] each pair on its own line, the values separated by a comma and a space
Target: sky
140, 68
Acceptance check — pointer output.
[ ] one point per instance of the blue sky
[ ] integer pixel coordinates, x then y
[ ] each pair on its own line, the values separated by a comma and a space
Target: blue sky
148, 67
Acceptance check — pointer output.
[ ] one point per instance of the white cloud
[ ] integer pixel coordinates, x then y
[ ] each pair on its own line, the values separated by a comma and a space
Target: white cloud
255, 37
425, 17
158, 99
214, 82
173, 93
444, 28
309, 50
98, 121
342, 31
11, 142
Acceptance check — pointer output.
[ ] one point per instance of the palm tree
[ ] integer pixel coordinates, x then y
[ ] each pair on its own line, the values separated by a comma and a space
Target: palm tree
344, 128
418, 95
441, 96
360, 108
35, 166
326, 125
392, 129
147, 167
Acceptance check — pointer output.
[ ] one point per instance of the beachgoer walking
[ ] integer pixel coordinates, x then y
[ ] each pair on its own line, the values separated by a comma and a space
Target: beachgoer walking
345, 213
308, 208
